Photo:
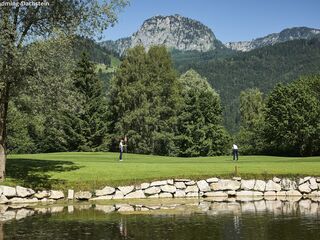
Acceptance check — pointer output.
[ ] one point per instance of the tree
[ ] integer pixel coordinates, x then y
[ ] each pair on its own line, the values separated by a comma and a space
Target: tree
250, 137
292, 118
144, 97
87, 127
200, 132
24, 24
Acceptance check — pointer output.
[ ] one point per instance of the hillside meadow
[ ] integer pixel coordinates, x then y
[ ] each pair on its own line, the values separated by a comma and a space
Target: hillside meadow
89, 171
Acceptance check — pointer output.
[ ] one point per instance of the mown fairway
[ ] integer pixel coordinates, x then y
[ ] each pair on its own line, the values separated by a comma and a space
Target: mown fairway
94, 170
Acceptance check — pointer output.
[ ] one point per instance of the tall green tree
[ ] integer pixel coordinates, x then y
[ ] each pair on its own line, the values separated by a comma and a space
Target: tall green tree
23, 24
292, 118
200, 131
252, 106
143, 99
87, 127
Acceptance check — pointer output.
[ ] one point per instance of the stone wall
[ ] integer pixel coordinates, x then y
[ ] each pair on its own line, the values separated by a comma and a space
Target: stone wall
307, 187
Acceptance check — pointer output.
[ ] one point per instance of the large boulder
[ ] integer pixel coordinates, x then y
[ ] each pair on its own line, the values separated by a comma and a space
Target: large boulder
168, 188
19, 200
247, 184
304, 188
180, 193
212, 180
180, 185
144, 185
118, 195
203, 186
56, 194
83, 195
70, 194
260, 186
152, 190
24, 192
158, 183
105, 191
192, 188
8, 191
272, 186
136, 194
126, 189
225, 185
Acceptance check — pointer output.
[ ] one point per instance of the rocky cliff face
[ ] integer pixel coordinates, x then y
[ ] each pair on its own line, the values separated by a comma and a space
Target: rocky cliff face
274, 38
172, 31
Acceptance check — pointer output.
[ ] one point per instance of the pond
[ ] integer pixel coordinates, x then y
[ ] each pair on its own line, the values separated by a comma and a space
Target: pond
187, 219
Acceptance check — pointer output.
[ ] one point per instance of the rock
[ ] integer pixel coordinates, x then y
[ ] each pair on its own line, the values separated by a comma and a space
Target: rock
276, 179
8, 215
304, 188
8, 191
70, 194
83, 195
247, 184
144, 185
180, 185
287, 184
182, 180
152, 190
281, 194
257, 194
270, 193
225, 185
101, 198
203, 186
136, 194
313, 181
105, 208
170, 181
293, 193
303, 180
179, 193
168, 188
56, 194
272, 186
126, 189
165, 195
105, 191
192, 194
190, 183
3, 199
314, 194
231, 193
154, 196
24, 192
158, 183
313, 186
216, 194
212, 180
244, 193
42, 194
16, 200
118, 195
318, 180
193, 188
260, 186
236, 178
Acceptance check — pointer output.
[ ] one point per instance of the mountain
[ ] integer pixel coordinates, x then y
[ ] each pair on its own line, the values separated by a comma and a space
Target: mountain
260, 68
173, 31
288, 34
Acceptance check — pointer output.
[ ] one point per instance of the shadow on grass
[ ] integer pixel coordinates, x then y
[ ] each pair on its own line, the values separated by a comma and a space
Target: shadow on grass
35, 173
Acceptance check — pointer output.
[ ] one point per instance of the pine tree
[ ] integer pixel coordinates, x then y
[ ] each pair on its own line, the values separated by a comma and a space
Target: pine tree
87, 127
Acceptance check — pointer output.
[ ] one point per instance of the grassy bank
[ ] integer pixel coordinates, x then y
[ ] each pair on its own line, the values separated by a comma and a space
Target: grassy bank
93, 170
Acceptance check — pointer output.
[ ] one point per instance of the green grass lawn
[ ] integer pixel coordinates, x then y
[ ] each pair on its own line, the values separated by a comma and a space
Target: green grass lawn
94, 170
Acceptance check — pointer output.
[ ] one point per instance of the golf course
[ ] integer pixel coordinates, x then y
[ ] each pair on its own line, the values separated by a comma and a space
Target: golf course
88, 171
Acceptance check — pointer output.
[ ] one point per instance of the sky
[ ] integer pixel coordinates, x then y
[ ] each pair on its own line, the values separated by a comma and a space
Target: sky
230, 20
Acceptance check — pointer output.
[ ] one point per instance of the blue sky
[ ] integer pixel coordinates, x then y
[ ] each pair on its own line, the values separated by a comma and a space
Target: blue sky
230, 20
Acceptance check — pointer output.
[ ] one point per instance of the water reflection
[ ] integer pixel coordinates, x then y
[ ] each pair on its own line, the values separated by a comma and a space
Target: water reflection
168, 219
